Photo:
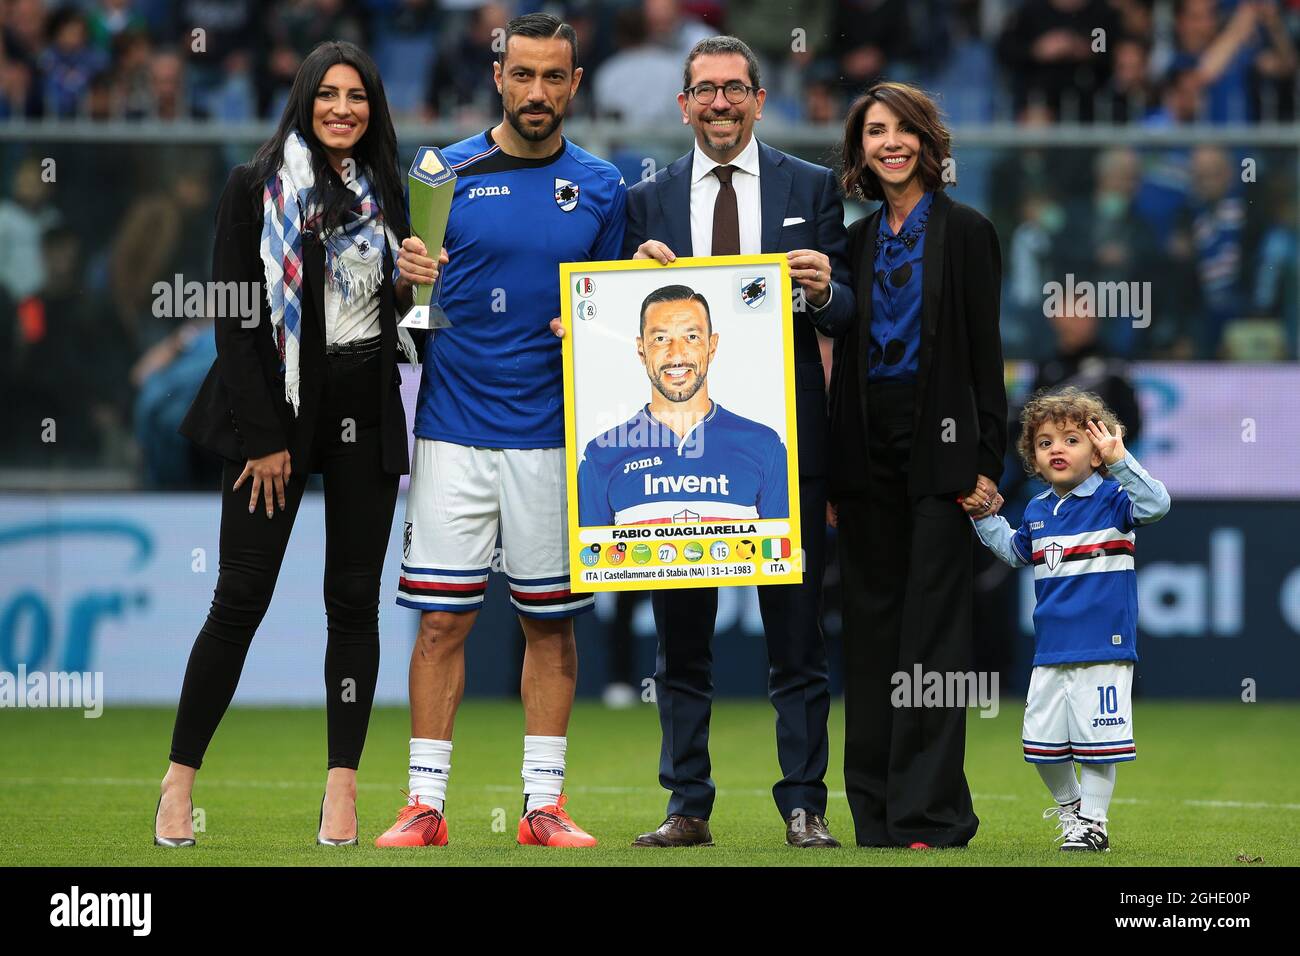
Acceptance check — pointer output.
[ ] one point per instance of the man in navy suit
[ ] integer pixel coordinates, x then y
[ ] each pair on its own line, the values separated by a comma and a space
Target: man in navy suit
732, 195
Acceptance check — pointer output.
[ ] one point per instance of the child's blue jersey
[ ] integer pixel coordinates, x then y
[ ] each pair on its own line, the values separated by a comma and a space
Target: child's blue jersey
726, 468
1082, 548
494, 379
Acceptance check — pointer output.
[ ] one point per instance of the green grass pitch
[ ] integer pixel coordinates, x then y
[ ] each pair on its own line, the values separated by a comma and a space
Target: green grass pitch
1211, 782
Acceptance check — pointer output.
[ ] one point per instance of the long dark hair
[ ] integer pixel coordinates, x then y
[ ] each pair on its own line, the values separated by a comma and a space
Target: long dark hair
375, 152
912, 106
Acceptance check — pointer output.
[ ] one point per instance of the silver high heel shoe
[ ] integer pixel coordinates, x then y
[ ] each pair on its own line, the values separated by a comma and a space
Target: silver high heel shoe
325, 841
172, 842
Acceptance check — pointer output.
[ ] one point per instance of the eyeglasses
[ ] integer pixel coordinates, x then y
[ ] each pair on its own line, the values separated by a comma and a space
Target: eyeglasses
735, 92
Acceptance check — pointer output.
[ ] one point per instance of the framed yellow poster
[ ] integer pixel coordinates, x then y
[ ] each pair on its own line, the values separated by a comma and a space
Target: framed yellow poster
679, 400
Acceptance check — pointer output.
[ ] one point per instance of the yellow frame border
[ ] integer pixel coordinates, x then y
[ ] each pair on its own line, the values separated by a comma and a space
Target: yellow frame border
568, 272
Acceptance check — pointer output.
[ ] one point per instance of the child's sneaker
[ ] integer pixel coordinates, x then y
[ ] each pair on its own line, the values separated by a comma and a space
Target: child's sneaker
1088, 836
1067, 816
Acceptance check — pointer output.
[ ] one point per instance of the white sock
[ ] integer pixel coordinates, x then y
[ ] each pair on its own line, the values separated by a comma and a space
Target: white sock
430, 768
1060, 779
1098, 783
543, 771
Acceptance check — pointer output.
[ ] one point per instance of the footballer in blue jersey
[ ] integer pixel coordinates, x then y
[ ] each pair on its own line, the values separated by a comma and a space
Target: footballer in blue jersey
488, 470
1078, 536
495, 379
683, 457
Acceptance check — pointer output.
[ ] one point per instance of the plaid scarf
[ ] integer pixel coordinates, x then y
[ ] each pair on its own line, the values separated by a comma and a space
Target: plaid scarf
354, 253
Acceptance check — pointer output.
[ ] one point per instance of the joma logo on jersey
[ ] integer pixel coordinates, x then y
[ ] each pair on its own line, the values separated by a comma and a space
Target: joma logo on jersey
476, 191
642, 463
1108, 721
1037, 525
691, 484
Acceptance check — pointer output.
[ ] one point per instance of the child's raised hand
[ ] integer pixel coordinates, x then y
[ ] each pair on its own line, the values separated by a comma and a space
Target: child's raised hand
1110, 446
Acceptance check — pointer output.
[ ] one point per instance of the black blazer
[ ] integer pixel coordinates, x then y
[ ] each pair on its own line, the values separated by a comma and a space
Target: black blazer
789, 188
959, 373
240, 411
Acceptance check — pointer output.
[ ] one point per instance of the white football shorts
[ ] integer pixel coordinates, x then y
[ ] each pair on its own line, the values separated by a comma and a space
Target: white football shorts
1080, 712
460, 500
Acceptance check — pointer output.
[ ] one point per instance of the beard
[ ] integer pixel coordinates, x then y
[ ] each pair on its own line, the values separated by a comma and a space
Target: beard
684, 394
724, 146
534, 134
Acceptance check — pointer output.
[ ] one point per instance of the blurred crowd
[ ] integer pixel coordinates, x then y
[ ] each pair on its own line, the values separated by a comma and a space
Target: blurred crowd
1210, 226
1148, 61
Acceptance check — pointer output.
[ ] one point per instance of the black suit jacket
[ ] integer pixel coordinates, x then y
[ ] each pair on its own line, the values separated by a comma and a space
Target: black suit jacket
790, 188
241, 411
960, 390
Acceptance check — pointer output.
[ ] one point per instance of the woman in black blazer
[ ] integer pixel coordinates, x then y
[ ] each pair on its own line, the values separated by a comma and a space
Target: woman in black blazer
310, 383
918, 419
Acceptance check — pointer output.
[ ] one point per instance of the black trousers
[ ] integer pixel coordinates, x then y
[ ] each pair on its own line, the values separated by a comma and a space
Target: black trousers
359, 501
906, 567
797, 682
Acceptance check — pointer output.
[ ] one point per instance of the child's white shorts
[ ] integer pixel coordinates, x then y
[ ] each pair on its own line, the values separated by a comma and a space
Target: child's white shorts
1080, 712
460, 499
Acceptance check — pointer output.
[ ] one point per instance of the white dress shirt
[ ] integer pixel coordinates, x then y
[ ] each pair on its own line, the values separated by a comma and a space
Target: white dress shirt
349, 321
704, 193
749, 204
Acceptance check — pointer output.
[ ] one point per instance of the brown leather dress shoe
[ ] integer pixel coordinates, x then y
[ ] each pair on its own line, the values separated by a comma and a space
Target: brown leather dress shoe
678, 830
808, 830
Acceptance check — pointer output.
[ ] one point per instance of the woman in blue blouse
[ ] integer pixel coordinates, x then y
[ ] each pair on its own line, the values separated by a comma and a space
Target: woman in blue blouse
918, 420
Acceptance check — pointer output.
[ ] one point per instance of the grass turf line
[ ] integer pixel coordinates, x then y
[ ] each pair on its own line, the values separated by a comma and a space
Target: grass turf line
1212, 780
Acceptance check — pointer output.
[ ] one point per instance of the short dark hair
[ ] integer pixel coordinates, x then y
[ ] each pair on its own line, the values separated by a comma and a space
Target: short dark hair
711, 46
541, 26
60, 18
675, 293
912, 106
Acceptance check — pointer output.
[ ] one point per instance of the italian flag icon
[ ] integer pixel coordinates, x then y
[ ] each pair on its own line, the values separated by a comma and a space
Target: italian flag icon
775, 548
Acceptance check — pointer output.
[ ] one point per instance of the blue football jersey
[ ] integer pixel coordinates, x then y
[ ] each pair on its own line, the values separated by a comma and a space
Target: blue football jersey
1082, 549
725, 468
494, 379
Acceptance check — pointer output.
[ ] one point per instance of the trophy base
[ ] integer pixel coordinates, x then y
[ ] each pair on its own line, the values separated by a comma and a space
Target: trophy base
425, 317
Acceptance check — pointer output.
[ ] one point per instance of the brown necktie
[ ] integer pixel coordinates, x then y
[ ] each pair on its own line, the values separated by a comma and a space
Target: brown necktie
726, 215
